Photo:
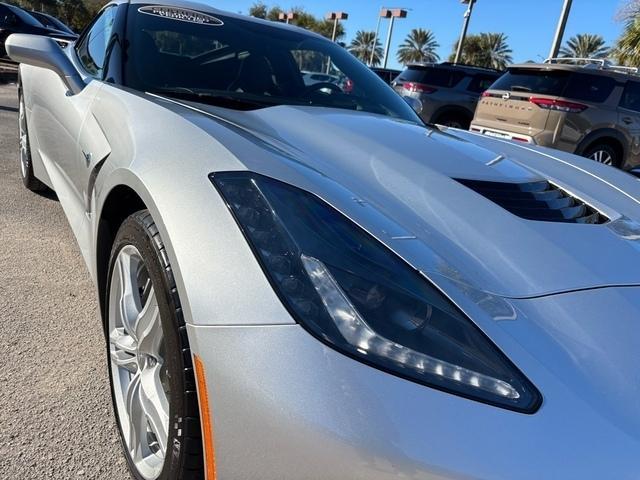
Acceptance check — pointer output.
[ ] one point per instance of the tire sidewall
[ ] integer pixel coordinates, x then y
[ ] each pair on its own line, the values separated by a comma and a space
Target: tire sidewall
133, 233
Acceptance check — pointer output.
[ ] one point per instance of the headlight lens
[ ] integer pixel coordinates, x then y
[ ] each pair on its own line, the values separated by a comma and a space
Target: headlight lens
353, 293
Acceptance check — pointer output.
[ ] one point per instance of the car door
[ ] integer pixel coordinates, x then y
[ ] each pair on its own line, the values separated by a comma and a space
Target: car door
629, 119
59, 116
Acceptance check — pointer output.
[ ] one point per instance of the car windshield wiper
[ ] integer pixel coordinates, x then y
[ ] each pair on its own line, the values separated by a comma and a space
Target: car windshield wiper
211, 98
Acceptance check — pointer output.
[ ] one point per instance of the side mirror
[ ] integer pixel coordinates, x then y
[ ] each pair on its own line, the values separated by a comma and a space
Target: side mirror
44, 52
414, 103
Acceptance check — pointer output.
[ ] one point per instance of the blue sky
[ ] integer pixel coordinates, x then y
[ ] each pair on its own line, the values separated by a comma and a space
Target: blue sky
530, 25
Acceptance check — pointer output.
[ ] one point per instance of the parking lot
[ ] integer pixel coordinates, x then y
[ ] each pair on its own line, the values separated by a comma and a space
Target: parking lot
56, 414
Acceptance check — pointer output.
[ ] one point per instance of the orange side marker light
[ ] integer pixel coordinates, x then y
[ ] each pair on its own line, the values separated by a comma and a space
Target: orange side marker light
205, 419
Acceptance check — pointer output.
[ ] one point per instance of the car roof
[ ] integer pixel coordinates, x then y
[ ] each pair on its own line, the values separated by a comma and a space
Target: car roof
592, 68
470, 69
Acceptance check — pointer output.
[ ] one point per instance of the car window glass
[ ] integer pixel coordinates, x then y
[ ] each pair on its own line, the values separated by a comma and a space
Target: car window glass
93, 45
589, 88
438, 77
631, 97
7, 18
546, 82
244, 64
480, 83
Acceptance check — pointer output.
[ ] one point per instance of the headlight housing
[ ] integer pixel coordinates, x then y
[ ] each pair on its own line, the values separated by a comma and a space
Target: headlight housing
353, 293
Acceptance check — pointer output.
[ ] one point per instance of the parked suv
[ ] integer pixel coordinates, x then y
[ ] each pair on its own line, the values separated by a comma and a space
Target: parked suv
587, 107
448, 92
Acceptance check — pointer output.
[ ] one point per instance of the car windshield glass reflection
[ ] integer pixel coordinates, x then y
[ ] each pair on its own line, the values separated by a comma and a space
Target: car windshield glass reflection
242, 64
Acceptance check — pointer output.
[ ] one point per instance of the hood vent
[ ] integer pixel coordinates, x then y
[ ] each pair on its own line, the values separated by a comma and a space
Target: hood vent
537, 201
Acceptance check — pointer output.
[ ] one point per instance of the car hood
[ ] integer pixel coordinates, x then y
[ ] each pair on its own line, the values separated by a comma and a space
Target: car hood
398, 181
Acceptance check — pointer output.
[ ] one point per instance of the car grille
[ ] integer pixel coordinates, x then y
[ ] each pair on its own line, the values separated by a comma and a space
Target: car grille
540, 200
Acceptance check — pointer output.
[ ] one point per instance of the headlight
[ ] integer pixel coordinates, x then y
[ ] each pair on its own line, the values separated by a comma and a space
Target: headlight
353, 293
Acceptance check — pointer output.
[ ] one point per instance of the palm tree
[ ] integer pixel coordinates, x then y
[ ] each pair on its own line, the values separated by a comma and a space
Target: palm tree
585, 45
362, 45
419, 46
489, 50
627, 50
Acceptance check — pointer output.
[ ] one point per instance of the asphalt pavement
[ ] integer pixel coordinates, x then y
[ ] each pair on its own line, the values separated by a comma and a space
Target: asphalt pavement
56, 419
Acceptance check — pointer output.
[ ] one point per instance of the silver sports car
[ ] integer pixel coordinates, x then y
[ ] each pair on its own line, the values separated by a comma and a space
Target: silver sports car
301, 282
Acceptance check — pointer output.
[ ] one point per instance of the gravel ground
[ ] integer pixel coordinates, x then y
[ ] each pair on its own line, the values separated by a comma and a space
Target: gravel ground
56, 418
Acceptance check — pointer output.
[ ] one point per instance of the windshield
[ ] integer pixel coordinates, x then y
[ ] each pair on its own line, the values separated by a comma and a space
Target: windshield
51, 22
245, 64
24, 16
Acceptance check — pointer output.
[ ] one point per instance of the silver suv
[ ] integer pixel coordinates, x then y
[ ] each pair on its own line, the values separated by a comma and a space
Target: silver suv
448, 92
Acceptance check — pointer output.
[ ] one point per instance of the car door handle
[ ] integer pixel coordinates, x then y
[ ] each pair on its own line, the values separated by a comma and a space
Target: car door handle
627, 120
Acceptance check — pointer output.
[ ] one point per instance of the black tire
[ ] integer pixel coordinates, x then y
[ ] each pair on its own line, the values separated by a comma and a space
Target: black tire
603, 151
454, 120
184, 456
24, 156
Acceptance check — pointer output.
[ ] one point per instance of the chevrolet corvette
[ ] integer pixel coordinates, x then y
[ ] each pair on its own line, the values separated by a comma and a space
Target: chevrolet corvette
298, 281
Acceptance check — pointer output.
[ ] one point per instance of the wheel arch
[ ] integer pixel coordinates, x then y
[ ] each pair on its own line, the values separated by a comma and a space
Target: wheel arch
120, 202
608, 136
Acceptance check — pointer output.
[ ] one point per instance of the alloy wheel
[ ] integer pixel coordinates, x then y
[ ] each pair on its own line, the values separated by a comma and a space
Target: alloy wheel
137, 356
602, 156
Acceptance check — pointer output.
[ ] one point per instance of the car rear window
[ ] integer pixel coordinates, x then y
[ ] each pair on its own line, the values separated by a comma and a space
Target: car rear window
560, 83
438, 77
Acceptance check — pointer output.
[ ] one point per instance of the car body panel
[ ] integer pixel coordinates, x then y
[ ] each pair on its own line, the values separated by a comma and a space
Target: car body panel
309, 409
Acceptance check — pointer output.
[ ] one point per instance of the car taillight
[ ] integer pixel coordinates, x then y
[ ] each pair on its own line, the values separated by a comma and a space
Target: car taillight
419, 87
486, 93
558, 105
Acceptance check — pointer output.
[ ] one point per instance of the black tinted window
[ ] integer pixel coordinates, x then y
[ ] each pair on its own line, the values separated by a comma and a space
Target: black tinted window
534, 81
92, 48
561, 83
589, 88
244, 64
631, 97
480, 83
438, 77
7, 18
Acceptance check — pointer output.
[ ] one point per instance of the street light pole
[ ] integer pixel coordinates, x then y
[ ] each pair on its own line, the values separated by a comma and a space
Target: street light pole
465, 27
375, 38
336, 16
286, 17
392, 15
562, 24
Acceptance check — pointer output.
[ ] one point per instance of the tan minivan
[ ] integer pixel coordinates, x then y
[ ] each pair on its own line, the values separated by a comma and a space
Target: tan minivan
587, 107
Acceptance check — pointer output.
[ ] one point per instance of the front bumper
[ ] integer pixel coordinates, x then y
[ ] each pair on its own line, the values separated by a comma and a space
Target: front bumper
285, 406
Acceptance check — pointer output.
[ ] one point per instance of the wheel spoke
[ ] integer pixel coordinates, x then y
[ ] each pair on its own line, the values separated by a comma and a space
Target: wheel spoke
123, 351
154, 403
148, 329
128, 304
137, 430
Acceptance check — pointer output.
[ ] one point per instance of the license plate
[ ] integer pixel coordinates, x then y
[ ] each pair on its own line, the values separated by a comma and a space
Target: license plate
496, 134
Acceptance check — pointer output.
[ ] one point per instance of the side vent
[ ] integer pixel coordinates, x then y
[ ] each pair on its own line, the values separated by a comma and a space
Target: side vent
537, 201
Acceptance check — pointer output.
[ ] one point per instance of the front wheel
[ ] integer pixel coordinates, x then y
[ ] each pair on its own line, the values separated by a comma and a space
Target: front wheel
26, 166
152, 382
